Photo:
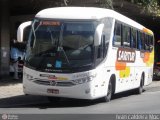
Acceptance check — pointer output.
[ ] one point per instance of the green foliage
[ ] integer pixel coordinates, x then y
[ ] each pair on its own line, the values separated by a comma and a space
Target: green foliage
106, 4
150, 6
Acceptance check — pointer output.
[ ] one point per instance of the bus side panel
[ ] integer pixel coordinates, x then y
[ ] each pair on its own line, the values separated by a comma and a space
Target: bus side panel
124, 72
144, 65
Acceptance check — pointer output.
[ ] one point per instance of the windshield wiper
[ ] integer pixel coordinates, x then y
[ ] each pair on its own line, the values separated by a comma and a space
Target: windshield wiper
34, 31
60, 48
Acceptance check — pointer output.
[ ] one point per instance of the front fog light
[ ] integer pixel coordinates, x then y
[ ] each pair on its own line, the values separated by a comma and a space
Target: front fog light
87, 91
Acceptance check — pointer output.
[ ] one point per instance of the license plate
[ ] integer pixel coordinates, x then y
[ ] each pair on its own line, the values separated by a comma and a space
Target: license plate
53, 91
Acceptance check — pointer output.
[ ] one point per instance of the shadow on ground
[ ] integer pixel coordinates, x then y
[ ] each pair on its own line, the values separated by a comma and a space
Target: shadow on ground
41, 102
8, 80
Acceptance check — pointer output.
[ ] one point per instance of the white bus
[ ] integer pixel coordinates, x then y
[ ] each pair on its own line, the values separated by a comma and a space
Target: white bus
86, 53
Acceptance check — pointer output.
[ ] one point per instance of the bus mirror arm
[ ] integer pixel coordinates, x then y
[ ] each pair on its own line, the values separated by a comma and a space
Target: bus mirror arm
21, 31
104, 45
98, 34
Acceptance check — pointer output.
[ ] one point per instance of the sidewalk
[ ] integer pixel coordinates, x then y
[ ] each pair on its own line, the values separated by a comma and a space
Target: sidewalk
153, 87
10, 87
155, 83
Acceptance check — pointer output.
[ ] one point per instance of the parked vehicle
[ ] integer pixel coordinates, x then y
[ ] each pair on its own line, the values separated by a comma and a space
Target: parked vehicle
156, 71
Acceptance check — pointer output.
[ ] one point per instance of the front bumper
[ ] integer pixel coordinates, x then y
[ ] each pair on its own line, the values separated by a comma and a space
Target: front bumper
80, 91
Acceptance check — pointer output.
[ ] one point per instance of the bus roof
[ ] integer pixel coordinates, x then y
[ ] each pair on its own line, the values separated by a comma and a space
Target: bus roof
87, 13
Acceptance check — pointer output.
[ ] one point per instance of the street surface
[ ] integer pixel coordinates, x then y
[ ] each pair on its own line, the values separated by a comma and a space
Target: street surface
12, 100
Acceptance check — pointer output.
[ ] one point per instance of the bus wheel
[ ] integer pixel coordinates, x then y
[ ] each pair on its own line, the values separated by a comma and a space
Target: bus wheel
139, 90
54, 99
108, 97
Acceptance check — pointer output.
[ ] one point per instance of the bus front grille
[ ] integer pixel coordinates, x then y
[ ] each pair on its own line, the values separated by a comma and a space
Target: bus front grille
54, 83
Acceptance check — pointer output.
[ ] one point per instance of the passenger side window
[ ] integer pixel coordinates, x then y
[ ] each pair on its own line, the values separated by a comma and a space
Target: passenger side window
146, 45
117, 35
143, 41
133, 38
126, 36
140, 41
150, 43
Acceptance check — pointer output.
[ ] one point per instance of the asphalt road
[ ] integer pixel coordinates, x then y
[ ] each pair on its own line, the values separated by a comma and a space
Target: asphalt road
69, 109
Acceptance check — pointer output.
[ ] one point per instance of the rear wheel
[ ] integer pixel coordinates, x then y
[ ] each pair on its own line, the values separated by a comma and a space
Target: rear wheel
139, 90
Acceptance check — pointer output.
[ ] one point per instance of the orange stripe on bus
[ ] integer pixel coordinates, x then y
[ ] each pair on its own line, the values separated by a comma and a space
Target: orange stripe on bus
147, 31
146, 57
120, 65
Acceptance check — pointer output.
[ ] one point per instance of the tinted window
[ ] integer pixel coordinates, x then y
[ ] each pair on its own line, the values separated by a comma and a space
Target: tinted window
133, 38
146, 45
117, 35
140, 41
150, 43
126, 36
143, 40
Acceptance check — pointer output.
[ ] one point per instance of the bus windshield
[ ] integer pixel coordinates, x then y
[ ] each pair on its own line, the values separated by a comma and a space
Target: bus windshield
55, 45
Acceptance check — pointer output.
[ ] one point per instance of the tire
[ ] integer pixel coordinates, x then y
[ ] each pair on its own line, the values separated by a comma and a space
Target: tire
139, 90
108, 97
54, 99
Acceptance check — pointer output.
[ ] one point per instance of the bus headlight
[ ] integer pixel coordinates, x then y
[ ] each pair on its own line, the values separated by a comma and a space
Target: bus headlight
27, 76
84, 80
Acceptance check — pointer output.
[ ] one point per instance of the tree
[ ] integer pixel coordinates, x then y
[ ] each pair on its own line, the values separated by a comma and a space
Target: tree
150, 6
107, 4
40, 4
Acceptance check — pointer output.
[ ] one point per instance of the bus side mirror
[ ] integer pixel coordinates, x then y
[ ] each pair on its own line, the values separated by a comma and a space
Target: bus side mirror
22, 31
98, 34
